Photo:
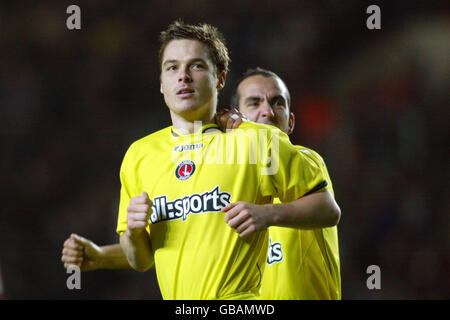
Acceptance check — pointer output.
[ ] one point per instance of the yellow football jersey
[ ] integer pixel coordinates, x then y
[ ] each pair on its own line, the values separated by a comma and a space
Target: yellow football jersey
303, 264
190, 178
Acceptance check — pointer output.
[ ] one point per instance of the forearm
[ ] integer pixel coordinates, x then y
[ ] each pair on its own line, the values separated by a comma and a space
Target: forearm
137, 250
317, 210
113, 257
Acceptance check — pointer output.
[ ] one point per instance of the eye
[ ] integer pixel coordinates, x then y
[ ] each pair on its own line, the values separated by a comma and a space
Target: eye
280, 104
171, 68
197, 66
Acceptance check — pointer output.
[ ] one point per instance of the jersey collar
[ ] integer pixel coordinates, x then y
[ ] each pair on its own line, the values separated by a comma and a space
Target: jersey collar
211, 127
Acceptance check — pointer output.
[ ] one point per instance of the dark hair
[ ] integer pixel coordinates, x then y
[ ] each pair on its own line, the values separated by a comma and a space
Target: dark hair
205, 33
255, 72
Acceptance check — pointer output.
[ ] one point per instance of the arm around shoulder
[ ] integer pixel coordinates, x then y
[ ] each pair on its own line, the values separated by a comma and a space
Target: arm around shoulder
317, 210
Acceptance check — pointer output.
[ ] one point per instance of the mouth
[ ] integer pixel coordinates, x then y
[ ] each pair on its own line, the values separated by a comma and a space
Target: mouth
185, 93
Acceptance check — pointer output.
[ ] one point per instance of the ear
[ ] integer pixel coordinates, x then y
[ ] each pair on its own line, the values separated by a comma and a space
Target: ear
221, 80
291, 122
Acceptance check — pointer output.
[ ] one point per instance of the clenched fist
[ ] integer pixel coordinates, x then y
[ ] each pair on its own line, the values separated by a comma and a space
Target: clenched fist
246, 218
138, 214
81, 252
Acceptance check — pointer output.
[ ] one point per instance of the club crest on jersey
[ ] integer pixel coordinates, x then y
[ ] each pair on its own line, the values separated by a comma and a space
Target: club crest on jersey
185, 170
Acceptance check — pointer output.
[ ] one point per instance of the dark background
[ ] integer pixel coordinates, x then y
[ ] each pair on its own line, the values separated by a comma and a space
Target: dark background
373, 103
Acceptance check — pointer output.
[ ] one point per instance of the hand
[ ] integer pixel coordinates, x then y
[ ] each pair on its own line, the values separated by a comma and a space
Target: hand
138, 214
81, 252
247, 218
229, 119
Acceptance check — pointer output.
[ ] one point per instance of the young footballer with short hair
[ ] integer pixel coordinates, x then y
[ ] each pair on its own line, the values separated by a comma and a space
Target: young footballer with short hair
174, 206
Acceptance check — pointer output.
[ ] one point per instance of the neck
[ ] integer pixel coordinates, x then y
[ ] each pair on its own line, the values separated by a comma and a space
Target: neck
191, 124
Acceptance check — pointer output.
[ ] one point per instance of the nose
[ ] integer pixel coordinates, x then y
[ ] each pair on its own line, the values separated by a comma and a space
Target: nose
184, 75
266, 110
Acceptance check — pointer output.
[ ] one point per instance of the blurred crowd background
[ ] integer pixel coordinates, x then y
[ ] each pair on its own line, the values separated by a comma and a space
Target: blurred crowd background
373, 103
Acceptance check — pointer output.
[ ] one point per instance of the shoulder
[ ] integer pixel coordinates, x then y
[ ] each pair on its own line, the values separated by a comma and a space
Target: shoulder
147, 144
250, 125
263, 130
151, 140
314, 155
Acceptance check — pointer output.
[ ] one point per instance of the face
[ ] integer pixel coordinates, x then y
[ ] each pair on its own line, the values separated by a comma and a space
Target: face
264, 100
189, 81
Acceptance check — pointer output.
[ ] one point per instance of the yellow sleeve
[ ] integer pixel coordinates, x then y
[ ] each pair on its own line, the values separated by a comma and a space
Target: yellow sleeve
128, 188
321, 163
293, 173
